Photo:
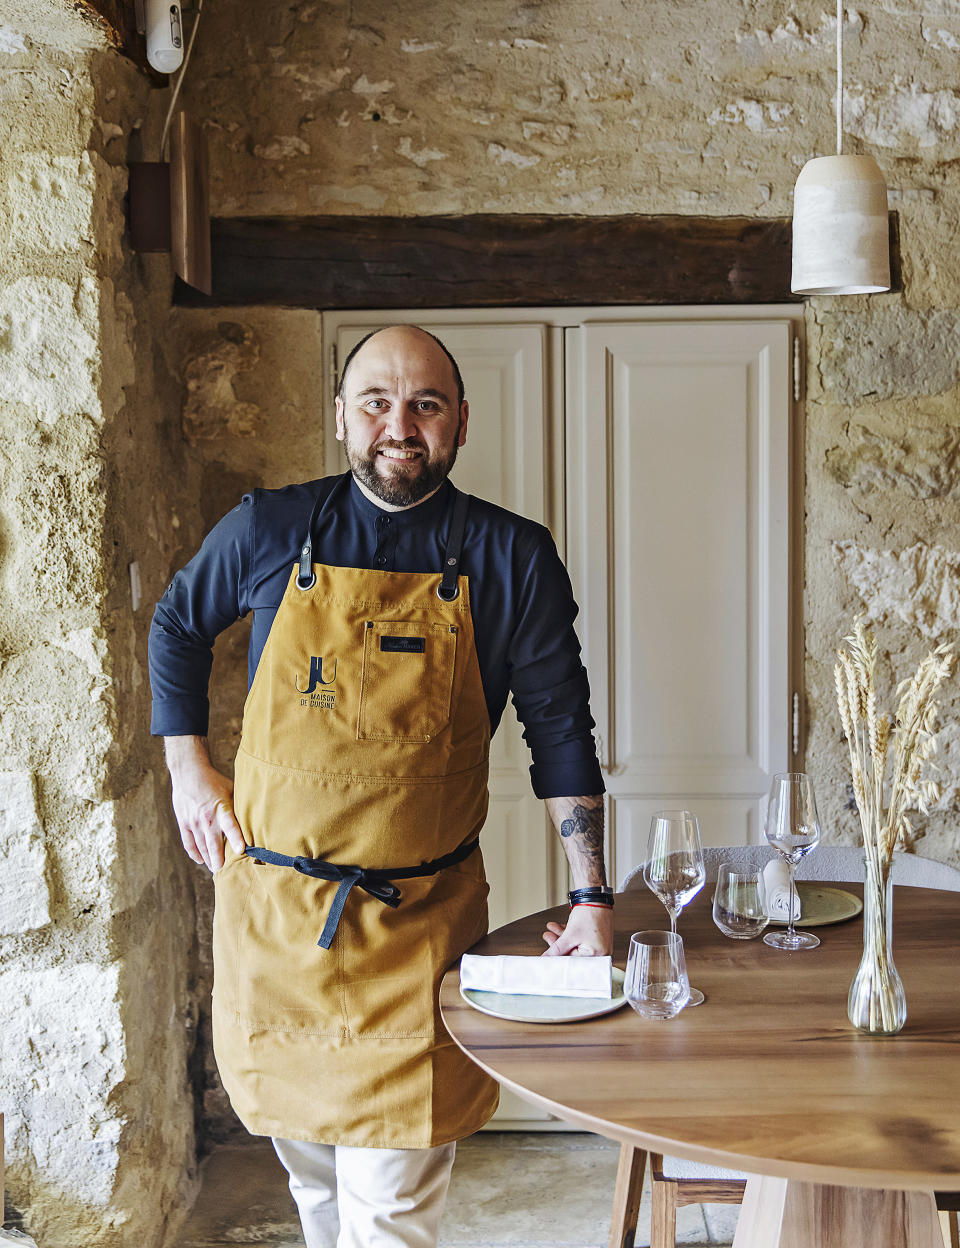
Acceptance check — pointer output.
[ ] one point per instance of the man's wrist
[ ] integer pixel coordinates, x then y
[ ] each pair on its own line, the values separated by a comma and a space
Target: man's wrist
184, 752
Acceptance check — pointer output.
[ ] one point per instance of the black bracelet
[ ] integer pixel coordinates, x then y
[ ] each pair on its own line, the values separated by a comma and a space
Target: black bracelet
596, 895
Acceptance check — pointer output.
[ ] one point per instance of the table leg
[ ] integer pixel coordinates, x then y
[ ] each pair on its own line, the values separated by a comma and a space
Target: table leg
626, 1196
783, 1213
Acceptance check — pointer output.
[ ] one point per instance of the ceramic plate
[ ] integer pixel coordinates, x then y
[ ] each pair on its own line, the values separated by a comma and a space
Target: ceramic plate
519, 1008
820, 905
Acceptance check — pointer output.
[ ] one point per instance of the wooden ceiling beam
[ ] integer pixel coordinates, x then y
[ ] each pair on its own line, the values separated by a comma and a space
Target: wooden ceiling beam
499, 261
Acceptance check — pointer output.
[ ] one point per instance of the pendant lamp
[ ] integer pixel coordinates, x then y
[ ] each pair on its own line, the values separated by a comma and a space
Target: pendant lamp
840, 232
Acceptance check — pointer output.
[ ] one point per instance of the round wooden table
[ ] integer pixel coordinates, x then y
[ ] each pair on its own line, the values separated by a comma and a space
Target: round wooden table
767, 1076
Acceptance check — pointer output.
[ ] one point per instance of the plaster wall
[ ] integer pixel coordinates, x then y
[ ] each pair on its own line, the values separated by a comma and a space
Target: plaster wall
96, 922
563, 106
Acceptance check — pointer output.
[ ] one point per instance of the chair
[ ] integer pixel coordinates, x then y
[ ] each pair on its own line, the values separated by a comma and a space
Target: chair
676, 1182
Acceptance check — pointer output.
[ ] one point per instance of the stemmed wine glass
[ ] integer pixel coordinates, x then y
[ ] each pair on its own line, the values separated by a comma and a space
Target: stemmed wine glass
793, 829
674, 869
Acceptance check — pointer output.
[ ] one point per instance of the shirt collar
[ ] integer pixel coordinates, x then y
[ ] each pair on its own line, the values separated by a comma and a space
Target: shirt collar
429, 512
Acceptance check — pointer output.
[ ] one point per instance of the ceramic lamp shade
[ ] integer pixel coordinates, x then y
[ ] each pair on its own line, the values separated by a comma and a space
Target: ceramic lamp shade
840, 231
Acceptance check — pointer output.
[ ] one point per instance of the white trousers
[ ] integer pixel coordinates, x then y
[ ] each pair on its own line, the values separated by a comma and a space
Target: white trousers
367, 1197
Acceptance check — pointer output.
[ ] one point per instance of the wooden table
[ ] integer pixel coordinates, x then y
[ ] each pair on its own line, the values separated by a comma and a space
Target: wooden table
767, 1076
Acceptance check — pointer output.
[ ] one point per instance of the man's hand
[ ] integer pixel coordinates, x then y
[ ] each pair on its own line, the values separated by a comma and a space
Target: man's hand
202, 801
588, 933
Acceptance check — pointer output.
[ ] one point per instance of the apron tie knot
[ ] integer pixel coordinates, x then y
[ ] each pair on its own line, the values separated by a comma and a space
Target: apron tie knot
378, 883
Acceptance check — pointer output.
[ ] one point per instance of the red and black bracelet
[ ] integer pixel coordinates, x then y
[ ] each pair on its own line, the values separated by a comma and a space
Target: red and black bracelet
596, 895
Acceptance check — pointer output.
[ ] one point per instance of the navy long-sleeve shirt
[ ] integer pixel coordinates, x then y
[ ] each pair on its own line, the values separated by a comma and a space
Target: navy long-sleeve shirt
520, 599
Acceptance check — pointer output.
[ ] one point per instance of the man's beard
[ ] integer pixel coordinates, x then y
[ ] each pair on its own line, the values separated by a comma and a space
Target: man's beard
412, 481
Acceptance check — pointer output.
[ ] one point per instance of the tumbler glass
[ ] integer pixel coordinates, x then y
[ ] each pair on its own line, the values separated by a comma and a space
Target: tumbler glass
656, 983
737, 906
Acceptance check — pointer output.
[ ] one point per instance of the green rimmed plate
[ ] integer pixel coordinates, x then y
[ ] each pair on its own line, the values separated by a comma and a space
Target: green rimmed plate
820, 905
520, 1008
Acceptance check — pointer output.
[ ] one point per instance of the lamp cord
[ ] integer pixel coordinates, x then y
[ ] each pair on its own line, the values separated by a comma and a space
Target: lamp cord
839, 77
179, 83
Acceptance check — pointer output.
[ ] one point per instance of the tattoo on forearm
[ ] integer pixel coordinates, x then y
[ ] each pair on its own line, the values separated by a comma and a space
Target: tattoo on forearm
586, 825
583, 832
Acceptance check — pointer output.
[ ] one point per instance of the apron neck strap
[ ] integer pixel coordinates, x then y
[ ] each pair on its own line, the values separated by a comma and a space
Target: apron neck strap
449, 587
305, 573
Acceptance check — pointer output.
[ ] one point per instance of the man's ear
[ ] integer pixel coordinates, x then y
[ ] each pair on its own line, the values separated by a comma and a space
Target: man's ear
464, 417
340, 427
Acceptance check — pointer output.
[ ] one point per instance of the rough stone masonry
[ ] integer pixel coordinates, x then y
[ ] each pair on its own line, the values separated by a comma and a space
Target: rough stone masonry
128, 430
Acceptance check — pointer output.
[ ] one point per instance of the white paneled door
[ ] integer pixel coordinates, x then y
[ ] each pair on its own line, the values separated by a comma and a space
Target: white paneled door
657, 450
677, 502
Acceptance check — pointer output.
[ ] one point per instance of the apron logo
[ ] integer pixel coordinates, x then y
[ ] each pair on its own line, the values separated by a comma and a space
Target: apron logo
324, 697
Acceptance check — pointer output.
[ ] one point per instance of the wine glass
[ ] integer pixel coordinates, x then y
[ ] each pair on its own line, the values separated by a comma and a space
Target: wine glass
655, 983
737, 903
674, 869
793, 829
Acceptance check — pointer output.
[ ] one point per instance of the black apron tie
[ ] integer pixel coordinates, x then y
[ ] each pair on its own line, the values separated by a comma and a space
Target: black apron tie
375, 881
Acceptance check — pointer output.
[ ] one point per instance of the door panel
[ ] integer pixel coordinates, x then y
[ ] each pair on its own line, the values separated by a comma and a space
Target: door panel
678, 486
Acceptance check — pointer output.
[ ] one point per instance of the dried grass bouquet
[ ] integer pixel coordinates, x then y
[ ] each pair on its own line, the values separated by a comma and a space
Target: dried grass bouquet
883, 809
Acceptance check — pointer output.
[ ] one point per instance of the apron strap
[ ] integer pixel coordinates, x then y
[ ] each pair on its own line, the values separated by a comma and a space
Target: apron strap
306, 577
376, 882
449, 587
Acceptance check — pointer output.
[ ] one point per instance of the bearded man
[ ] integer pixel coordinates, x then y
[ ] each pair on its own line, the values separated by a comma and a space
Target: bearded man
392, 617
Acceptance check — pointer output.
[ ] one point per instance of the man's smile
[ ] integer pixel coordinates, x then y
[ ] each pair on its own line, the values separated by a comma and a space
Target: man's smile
397, 453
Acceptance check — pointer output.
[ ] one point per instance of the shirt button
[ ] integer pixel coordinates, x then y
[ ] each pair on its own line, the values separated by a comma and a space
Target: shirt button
381, 561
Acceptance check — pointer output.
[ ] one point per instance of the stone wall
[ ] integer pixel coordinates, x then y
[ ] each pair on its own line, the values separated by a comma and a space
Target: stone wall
96, 924
250, 414
568, 107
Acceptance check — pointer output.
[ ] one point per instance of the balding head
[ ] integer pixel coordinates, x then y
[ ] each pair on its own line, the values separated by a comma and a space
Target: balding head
402, 333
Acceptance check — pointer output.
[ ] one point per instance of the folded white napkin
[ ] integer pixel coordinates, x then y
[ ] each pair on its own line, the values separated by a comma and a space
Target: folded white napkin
775, 891
537, 976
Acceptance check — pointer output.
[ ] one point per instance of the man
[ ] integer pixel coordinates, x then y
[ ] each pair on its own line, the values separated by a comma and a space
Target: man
392, 616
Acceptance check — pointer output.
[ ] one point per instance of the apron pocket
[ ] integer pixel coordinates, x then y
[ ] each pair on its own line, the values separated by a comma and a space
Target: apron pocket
285, 982
406, 685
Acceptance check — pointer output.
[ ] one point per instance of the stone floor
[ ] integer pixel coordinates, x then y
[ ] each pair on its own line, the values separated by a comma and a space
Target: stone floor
509, 1190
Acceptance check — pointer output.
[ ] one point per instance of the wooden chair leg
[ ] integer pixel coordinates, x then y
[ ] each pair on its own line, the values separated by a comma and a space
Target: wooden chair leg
626, 1196
663, 1215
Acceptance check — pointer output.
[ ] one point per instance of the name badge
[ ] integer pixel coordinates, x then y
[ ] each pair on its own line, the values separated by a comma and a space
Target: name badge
404, 645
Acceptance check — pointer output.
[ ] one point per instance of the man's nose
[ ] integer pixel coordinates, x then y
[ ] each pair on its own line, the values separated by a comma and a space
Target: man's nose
400, 424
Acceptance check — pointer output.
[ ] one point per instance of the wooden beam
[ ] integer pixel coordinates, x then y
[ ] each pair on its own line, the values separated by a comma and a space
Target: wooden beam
499, 261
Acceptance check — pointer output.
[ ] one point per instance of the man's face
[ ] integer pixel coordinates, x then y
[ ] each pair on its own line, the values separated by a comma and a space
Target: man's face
399, 418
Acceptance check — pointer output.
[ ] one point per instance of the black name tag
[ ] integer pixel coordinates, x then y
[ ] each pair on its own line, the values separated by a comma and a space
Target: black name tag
404, 645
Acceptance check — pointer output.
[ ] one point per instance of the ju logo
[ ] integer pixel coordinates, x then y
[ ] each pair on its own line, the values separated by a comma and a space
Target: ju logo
323, 674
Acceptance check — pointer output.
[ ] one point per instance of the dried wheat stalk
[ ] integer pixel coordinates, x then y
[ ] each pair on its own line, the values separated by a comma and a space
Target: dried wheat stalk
883, 815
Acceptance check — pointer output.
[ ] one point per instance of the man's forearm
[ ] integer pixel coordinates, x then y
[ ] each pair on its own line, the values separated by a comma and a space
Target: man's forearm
579, 820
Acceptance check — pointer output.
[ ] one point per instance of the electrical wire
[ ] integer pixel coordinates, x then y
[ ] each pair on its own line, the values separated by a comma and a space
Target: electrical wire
179, 83
839, 77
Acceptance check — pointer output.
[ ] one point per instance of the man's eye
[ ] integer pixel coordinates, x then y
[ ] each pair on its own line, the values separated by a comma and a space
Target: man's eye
427, 405
375, 404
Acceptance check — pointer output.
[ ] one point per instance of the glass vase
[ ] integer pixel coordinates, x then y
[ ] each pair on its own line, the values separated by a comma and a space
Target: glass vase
876, 1003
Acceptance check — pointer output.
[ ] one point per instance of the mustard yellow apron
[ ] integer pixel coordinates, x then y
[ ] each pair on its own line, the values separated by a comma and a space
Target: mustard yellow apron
361, 787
